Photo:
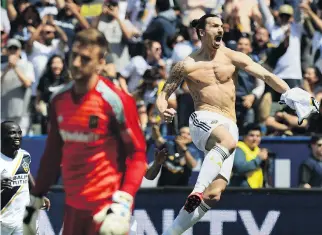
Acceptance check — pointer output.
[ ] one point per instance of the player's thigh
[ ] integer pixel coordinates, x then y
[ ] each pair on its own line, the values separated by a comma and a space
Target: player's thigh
222, 136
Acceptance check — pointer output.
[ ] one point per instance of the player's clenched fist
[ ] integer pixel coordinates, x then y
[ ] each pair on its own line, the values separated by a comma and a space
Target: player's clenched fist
115, 218
168, 115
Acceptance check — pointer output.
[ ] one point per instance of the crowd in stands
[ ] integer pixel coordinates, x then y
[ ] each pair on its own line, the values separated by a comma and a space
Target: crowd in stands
146, 38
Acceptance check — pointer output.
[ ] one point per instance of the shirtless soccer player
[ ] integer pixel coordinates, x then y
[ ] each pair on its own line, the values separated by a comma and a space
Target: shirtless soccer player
210, 75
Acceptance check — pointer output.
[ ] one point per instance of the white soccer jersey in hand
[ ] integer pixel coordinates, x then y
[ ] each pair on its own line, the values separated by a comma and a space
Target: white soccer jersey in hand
14, 200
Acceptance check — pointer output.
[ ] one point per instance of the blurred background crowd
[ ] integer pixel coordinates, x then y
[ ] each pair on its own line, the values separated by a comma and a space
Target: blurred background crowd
147, 37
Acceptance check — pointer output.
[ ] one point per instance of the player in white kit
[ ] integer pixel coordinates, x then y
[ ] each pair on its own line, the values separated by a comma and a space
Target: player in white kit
15, 179
210, 73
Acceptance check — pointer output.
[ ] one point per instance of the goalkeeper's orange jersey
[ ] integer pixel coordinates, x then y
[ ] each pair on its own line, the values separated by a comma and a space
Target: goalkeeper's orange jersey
98, 143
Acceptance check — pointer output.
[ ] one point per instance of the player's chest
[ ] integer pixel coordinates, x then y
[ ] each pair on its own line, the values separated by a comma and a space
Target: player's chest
89, 116
17, 169
213, 72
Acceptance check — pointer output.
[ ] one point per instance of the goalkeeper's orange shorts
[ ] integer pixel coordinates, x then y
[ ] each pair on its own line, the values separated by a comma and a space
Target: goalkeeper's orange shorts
78, 222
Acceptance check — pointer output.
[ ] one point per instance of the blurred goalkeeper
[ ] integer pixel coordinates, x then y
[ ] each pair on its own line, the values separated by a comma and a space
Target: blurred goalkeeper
94, 136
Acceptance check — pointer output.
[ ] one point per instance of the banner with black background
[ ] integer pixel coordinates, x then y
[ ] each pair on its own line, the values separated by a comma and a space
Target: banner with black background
240, 212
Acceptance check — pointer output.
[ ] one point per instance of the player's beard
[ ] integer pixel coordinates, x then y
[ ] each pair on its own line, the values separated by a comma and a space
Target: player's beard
77, 75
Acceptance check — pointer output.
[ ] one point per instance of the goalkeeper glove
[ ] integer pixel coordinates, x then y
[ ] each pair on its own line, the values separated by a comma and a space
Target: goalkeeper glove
115, 218
31, 215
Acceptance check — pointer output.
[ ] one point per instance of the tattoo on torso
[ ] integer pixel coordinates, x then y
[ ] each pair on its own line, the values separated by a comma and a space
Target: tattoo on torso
195, 95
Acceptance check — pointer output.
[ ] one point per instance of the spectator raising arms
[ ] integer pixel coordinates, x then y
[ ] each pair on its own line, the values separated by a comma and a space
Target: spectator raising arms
16, 80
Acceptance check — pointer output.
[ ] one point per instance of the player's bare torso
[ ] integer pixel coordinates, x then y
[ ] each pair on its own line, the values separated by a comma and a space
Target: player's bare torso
212, 82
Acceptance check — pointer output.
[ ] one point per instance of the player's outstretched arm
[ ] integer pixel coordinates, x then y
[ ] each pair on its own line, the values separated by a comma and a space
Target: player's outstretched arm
243, 61
49, 168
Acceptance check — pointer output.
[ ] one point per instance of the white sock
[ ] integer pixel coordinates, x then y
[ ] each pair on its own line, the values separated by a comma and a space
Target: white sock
211, 167
184, 220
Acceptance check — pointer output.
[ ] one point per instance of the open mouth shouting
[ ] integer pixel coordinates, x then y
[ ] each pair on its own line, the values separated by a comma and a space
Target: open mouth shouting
218, 39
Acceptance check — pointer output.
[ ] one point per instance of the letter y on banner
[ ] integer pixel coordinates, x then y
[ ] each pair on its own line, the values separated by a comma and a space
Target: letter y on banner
251, 225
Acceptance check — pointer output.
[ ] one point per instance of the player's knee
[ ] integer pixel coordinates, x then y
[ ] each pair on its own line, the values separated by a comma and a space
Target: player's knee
230, 144
213, 193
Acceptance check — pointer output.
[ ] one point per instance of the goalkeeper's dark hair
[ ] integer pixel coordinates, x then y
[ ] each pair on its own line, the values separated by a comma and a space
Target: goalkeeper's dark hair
92, 37
201, 22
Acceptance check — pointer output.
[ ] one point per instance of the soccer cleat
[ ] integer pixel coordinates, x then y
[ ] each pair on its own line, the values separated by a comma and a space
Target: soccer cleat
192, 202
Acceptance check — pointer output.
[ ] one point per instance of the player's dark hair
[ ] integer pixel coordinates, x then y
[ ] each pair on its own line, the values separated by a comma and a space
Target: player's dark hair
92, 36
201, 23
5, 124
252, 127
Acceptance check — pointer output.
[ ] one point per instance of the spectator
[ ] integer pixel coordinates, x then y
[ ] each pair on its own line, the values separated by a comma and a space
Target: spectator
267, 53
232, 31
146, 95
45, 7
42, 45
4, 38
53, 79
311, 168
108, 70
15, 8
16, 80
148, 89
245, 10
140, 13
313, 45
249, 89
288, 67
24, 23
5, 23
260, 42
189, 33
131, 76
162, 27
289, 118
247, 169
117, 32
312, 83
181, 50
70, 20
181, 157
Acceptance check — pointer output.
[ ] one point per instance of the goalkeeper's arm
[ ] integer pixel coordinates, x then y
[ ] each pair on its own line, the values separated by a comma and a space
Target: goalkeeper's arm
47, 175
115, 218
136, 164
